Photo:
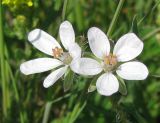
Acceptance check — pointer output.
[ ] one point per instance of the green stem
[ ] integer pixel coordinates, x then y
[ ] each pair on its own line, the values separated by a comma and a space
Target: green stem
13, 82
114, 20
3, 80
49, 104
80, 104
64, 9
47, 112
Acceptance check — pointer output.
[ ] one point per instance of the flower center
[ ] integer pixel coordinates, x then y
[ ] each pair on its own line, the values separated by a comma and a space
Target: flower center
57, 52
65, 57
110, 62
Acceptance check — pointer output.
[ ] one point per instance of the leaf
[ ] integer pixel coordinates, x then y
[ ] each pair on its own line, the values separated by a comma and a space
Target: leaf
68, 80
122, 86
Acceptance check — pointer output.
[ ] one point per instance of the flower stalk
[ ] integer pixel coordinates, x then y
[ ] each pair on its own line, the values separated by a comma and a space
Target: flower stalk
49, 104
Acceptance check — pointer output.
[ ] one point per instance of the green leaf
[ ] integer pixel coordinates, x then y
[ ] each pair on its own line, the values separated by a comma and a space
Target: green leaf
122, 86
68, 80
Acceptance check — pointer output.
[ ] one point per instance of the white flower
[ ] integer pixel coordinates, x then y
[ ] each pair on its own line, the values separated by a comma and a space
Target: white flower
48, 45
127, 48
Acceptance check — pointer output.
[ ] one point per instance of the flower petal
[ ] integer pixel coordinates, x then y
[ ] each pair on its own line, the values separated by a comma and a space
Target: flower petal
98, 42
107, 84
86, 66
67, 34
133, 71
128, 47
54, 76
39, 65
75, 51
43, 41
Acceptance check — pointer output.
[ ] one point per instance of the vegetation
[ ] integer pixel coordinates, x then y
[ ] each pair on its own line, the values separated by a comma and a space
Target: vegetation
25, 100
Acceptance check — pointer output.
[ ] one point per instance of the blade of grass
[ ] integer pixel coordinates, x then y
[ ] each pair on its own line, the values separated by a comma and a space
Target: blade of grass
64, 9
149, 12
80, 104
49, 105
150, 34
47, 112
3, 70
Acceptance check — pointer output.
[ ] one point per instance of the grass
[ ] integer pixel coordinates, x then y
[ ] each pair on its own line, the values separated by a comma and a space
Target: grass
25, 100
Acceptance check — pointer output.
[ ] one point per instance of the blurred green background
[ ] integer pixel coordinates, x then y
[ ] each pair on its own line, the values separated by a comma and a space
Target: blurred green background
23, 99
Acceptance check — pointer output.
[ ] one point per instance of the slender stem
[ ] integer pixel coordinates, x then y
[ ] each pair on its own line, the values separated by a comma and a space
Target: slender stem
3, 80
49, 104
47, 112
80, 104
64, 9
14, 82
115, 17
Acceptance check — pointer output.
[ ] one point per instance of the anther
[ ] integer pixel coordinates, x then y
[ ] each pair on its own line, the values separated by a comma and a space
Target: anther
57, 52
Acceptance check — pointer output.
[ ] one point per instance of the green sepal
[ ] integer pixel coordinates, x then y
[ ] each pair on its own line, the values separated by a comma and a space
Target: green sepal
122, 86
92, 86
68, 80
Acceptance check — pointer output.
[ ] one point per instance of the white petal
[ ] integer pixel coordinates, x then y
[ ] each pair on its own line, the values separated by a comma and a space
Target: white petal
54, 76
133, 71
98, 42
39, 65
43, 41
128, 47
86, 66
67, 34
107, 84
75, 51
